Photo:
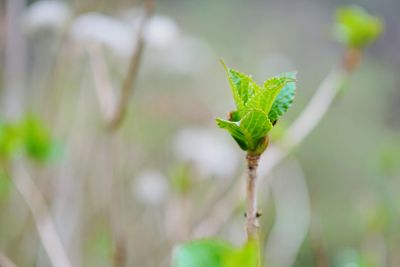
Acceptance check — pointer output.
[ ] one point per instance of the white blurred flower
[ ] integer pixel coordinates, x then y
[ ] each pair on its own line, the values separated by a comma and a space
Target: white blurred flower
46, 14
209, 150
150, 187
186, 56
99, 28
190, 55
161, 32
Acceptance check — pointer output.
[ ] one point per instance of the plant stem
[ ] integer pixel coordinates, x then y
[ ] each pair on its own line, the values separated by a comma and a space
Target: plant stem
45, 225
252, 223
133, 70
5, 261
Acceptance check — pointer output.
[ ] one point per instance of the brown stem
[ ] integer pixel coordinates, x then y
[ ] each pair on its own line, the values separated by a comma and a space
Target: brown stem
252, 223
133, 70
351, 59
120, 253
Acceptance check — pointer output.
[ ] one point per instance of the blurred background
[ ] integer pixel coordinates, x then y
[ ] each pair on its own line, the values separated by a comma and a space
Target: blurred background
125, 197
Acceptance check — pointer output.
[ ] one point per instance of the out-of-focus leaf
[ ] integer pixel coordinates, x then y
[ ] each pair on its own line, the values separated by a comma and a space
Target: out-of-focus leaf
214, 253
201, 253
355, 27
246, 256
10, 139
28, 136
37, 140
284, 99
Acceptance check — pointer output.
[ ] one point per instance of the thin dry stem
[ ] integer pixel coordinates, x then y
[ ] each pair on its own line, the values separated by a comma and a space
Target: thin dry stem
112, 106
40, 212
102, 81
133, 70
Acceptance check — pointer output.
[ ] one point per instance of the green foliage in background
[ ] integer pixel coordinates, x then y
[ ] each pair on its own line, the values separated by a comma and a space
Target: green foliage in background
28, 136
10, 139
214, 253
37, 139
355, 27
258, 107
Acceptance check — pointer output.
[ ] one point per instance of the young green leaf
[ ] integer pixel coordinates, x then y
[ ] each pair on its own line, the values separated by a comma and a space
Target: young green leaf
243, 88
257, 107
214, 253
265, 98
256, 125
355, 27
284, 99
249, 130
236, 131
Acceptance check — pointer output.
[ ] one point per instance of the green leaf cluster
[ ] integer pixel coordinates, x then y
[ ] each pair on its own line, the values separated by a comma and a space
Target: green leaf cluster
355, 27
215, 253
258, 108
28, 136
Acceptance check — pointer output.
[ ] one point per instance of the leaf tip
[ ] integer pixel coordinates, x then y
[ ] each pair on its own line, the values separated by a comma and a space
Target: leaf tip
223, 64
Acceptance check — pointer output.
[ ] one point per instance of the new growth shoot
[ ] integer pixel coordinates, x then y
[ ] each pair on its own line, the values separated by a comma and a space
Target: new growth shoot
258, 108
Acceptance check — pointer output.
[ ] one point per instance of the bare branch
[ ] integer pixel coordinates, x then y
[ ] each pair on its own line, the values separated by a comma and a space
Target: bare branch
102, 81
41, 216
133, 70
316, 108
112, 105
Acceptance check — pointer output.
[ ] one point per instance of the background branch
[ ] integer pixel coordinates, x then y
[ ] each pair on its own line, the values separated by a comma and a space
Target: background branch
41, 215
103, 86
112, 106
5, 261
133, 70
